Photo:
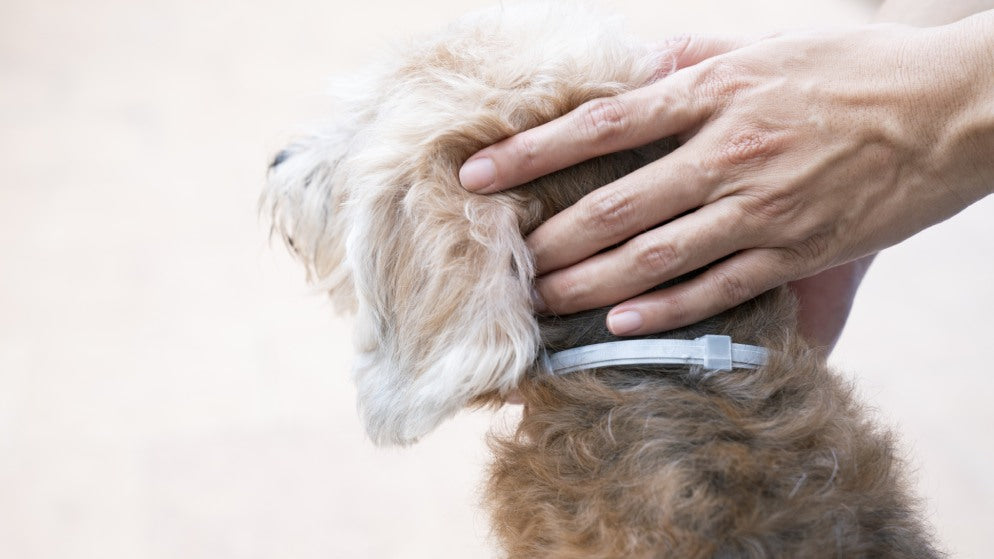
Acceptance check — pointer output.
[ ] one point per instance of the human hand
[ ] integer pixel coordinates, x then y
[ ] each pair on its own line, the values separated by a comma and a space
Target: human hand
800, 152
824, 302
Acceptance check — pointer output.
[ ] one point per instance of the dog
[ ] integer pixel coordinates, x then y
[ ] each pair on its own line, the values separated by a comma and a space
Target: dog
626, 460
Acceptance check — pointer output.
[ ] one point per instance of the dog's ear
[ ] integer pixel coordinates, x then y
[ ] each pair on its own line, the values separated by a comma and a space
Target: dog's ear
307, 203
439, 278
443, 279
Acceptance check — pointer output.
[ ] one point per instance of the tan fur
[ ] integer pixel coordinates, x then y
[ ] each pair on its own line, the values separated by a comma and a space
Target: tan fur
624, 462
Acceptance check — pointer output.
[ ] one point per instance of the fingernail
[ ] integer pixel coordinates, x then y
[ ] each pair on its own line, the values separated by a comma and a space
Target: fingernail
624, 322
478, 174
537, 302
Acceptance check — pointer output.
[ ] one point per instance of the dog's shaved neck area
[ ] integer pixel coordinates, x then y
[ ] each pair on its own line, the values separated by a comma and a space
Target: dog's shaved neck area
559, 190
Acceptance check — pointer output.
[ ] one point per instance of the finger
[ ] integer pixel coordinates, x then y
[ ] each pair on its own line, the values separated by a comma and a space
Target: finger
595, 128
681, 246
620, 210
687, 50
734, 281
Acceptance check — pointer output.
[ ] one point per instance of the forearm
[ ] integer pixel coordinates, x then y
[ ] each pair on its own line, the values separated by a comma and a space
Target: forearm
929, 12
967, 144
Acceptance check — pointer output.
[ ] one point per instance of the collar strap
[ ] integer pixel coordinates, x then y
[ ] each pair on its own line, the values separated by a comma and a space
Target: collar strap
714, 353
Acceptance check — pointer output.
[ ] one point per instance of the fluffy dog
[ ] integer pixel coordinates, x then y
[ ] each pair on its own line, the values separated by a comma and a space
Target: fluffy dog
624, 461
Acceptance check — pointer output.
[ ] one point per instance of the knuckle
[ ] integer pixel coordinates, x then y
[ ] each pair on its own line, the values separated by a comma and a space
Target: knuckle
525, 150
811, 249
653, 258
676, 312
766, 206
564, 292
753, 144
719, 79
609, 212
730, 287
603, 119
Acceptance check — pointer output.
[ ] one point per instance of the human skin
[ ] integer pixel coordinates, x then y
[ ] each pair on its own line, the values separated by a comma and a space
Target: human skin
803, 154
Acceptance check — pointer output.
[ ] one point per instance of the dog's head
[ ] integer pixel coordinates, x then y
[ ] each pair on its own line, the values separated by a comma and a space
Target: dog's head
440, 278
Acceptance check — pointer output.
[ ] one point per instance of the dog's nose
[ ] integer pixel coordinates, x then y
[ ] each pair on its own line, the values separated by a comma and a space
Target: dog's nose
280, 158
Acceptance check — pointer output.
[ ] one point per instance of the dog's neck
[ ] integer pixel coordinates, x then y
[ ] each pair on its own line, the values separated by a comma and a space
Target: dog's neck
750, 323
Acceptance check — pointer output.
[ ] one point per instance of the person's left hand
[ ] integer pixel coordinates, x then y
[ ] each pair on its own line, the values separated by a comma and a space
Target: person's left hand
798, 155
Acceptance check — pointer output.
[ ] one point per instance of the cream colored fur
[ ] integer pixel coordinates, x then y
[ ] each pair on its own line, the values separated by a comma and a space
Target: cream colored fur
440, 278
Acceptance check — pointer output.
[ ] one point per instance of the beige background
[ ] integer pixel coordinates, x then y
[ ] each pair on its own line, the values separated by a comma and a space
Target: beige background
170, 388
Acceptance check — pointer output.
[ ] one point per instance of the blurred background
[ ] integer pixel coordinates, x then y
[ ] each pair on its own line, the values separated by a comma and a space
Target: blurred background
170, 387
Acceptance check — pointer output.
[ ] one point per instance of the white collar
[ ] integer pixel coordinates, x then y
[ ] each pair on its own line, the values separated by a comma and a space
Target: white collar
714, 353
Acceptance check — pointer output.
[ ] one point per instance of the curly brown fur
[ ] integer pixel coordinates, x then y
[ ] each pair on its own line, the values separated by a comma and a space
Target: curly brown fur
669, 462
623, 462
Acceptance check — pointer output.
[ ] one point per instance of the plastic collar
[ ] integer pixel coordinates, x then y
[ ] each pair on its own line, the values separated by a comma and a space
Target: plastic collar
714, 353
